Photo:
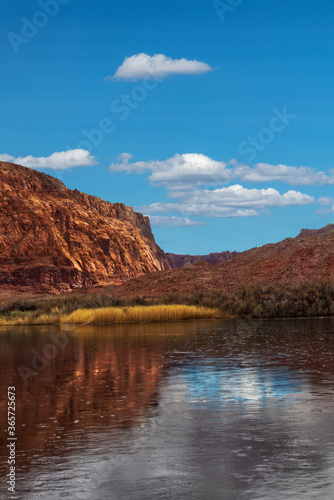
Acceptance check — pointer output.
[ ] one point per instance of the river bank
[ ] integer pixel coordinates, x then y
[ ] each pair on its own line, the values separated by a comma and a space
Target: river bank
305, 299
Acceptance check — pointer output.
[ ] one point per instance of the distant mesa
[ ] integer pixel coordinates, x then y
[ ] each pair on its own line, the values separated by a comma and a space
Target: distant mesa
304, 233
176, 260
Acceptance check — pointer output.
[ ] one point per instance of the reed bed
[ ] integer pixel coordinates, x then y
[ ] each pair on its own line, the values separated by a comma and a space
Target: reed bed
140, 314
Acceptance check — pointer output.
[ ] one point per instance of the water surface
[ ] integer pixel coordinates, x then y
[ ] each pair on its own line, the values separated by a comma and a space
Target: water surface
223, 409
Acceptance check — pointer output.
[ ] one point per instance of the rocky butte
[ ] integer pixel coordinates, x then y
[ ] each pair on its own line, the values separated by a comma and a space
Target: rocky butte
53, 239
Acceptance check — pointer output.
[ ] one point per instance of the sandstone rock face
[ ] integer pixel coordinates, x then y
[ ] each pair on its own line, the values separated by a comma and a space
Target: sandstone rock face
177, 260
54, 239
293, 260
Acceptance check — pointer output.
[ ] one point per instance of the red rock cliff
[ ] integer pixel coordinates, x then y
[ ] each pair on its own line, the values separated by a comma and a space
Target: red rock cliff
53, 239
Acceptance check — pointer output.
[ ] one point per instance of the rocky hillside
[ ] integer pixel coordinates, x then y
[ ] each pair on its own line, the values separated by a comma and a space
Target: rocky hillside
294, 260
313, 232
177, 260
54, 239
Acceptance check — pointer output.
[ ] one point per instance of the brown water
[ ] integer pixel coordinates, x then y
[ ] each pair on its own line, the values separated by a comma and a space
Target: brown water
224, 409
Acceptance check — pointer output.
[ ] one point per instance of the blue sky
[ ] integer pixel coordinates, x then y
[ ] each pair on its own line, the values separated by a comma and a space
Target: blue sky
263, 73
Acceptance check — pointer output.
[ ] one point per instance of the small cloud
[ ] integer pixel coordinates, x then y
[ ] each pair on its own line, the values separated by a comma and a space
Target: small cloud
57, 161
5, 157
165, 221
328, 202
264, 172
125, 158
157, 66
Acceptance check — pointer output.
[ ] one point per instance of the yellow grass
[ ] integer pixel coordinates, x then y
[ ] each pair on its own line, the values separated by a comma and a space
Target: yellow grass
140, 314
133, 314
27, 319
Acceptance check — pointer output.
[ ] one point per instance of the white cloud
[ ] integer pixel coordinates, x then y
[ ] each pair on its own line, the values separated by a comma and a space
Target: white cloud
264, 172
326, 202
157, 66
180, 171
7, 158
232, 201
239, 196
191, 170
165, 221
125, 158
57, 161
197, 209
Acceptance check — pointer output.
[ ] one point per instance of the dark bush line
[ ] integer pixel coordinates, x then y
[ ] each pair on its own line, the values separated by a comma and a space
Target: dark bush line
273, 301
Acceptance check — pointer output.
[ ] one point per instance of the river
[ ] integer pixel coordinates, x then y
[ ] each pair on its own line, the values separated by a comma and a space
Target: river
203, 410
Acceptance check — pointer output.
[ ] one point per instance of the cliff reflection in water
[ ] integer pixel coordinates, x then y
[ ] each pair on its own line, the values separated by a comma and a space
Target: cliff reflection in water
99, 378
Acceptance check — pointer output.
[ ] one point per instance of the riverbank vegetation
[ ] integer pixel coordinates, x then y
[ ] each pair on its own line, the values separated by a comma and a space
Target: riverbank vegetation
140, 314
110, 315
273, 301
254, 301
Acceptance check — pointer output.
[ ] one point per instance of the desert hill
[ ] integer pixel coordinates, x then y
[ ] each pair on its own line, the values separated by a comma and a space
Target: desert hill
309, 256
54, 239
